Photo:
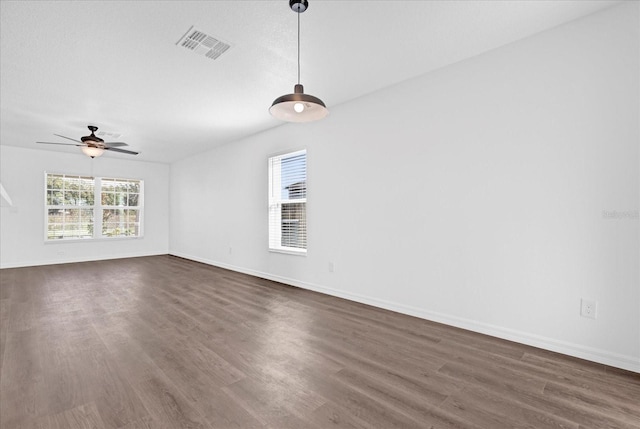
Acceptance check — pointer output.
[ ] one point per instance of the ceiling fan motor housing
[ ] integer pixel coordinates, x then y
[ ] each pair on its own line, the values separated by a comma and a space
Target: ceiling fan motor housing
92, 137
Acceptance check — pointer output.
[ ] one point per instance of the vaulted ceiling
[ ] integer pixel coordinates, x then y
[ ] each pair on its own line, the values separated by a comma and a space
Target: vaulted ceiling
117, 64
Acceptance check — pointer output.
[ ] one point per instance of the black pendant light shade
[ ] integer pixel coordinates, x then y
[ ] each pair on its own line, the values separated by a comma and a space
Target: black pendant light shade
298, 107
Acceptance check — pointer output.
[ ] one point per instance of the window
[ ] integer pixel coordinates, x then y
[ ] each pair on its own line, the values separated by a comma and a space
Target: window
120, 207
70, 206
288, 202
76, 204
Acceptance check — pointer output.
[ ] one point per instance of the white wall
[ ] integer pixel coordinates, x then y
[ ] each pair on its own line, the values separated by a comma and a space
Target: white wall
22, 224
473, 195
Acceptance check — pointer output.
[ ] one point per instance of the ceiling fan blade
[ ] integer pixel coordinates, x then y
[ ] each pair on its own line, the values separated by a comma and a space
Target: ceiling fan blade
115, 144
61, 144
68, 138
130, 152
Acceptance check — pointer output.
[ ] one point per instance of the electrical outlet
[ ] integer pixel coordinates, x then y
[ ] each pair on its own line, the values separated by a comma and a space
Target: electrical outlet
331, 267
588, 308
230, 250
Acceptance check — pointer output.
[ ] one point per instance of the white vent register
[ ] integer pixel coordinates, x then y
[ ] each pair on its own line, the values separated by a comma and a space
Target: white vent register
203, 44
107, 136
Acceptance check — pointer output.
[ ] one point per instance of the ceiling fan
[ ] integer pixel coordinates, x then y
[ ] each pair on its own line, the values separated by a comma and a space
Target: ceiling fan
92, 145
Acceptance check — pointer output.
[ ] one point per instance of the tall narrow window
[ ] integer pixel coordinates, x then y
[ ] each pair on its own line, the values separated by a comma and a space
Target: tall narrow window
288, 202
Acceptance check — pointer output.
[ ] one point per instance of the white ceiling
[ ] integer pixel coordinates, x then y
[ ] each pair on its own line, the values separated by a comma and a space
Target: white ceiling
115, 64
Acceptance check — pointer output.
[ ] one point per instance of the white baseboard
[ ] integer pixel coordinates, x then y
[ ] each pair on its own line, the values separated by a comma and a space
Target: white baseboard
76, 259
604, 357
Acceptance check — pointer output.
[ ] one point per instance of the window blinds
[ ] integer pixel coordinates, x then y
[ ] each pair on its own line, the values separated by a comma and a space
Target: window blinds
288, 201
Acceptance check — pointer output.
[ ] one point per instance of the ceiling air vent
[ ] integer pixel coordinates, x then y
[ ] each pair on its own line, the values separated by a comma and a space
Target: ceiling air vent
107, 136
203, 44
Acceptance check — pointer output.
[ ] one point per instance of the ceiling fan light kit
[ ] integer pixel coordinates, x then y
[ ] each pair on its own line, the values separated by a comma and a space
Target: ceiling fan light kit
92, 151
298, 107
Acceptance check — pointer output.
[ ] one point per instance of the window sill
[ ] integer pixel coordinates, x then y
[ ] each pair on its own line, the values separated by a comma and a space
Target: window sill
90, 240
289, 252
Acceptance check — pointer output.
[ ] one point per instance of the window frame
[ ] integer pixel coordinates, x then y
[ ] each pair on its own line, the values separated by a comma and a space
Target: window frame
102, 207
97, 207
274, 206
66, 207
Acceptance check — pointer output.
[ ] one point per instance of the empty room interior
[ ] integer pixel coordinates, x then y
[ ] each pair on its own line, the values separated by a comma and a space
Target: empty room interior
319, 214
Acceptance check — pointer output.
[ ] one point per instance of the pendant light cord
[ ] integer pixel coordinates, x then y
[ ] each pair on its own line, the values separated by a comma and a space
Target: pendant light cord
298, 48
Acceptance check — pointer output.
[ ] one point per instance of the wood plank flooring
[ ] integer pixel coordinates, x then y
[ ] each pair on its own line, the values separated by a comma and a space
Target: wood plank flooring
163, 342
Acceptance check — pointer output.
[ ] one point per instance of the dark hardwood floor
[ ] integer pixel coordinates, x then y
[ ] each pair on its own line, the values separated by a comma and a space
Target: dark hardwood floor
162, 342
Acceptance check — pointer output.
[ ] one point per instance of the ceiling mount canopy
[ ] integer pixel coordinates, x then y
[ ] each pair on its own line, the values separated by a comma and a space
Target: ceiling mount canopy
298, 107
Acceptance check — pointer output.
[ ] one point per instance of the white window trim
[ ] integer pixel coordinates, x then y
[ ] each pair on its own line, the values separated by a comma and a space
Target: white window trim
274, 204
97, 212
100, 207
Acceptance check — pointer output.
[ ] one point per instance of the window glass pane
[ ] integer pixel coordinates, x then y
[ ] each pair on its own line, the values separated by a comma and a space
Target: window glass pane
72, 215
108, 199
86, 215
55, 198
287, 201
121, 223
133, 216
65, 196
71, 197
294, 225
72, 183
85, 199
109, 215
121, 199
294, 177
87, 228
109, 229
54, 231
73, 230
55, 217
107, 185
133, 199
120, 186
134, 228
86, 196
121, 192
54, 181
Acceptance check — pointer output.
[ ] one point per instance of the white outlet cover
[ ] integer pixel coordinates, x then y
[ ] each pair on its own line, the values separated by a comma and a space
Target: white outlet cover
588, 308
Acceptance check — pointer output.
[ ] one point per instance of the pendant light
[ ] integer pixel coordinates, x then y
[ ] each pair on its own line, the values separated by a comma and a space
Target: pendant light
298, 107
